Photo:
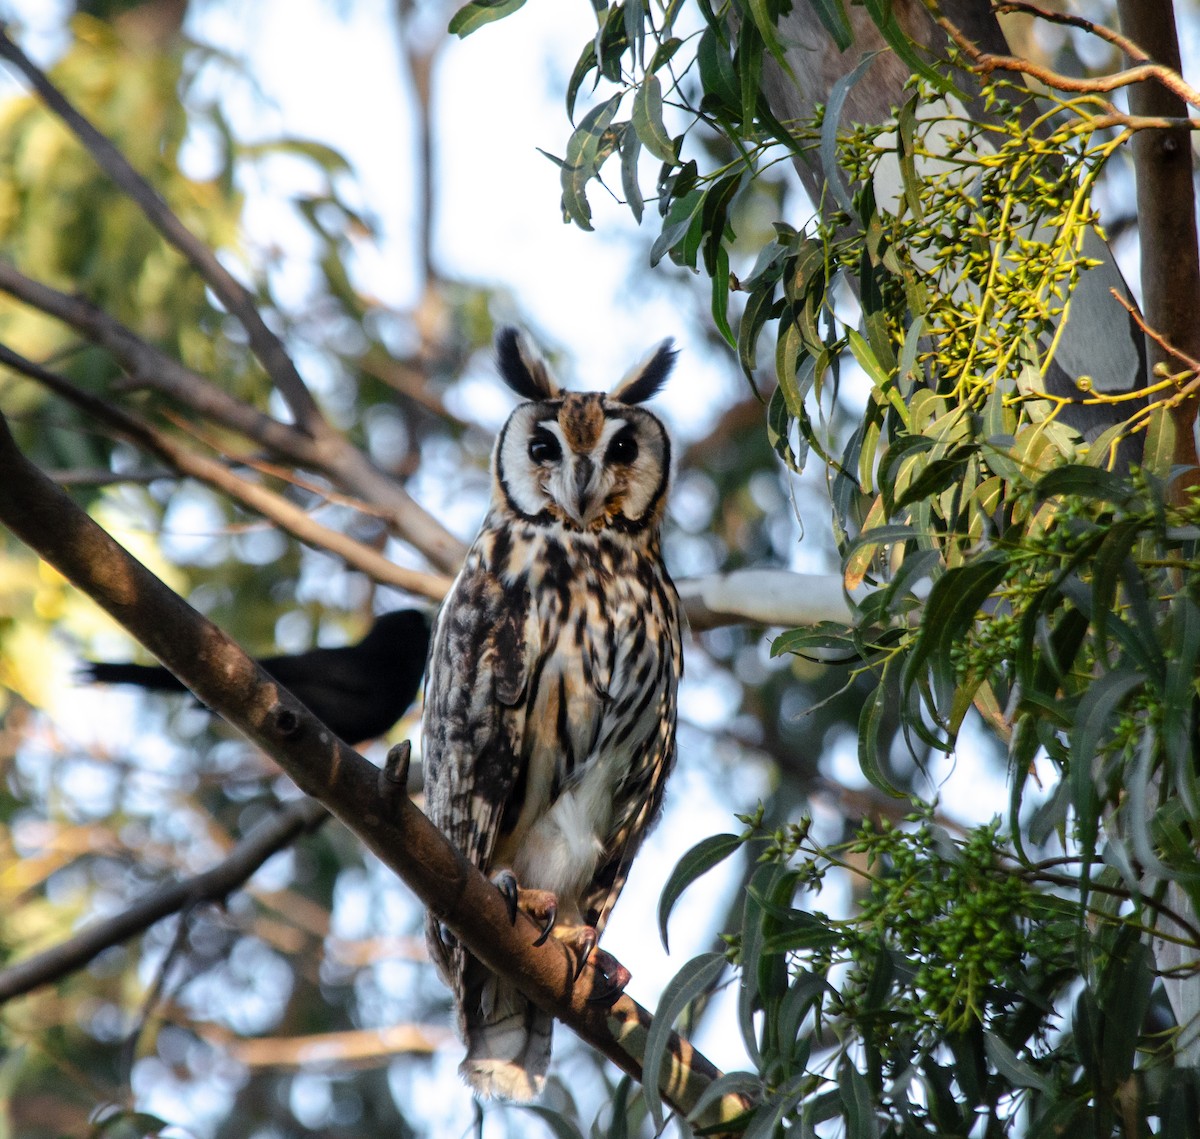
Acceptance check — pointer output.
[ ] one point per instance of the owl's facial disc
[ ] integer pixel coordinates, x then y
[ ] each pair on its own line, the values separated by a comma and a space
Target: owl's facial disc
585, 461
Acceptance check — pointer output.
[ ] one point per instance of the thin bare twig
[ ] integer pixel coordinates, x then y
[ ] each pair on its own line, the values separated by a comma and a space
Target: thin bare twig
1190, 362
353, 1048
1120, 42
150, 367
986, 62
213, 885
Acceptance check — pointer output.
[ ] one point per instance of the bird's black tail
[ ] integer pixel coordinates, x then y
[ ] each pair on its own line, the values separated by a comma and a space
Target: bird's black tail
151, 676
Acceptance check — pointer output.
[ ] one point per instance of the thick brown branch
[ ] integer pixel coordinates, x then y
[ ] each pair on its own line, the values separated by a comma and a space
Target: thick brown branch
270, 505
1166, 207
231, 292
231, 684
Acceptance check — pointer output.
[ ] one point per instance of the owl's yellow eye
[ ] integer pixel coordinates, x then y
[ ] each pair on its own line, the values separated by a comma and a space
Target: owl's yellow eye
623, 448
543, 447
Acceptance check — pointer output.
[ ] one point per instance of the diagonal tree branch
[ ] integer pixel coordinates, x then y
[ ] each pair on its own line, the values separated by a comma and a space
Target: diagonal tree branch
214, 885
230, 683
151, 367
332, 454
231, 292
287, 515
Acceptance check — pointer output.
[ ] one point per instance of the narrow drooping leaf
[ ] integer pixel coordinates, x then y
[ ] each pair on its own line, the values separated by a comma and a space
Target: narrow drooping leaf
695, 978
471, 17
696, 862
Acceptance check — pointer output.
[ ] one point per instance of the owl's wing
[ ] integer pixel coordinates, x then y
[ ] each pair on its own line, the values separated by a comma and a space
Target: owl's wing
474, 709
639, 799
638, 796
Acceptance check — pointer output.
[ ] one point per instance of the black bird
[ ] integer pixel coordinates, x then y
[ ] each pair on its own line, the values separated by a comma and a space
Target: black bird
358, 691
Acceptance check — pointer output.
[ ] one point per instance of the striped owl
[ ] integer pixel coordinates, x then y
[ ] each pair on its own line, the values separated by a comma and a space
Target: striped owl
549, 723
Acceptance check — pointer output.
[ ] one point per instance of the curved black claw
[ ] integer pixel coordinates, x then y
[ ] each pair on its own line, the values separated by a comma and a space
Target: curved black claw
506, 882
613, 979
551, 918
585, 945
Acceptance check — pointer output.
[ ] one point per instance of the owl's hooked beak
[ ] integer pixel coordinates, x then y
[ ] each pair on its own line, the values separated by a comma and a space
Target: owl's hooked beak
583, 501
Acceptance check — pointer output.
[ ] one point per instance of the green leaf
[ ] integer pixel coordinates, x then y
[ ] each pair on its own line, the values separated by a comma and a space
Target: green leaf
825, 638
1019, 1073
635, 28
1179, 701
829, 130
618, 1126
764, 21
885, 20
748, 60
747, 1084
906, 134
832, 14
698, 976
631, 149
714, 220
648, 121
128, 1125
722, 92
586, 151
676, 224
471, 17
1158, 452
869, 721
859, 1108
1097, 710
938, 475
797, 929
759, 308
953, 606
1123, 993
879, 375
699, 860
1084, 482
583, 68
781, 1101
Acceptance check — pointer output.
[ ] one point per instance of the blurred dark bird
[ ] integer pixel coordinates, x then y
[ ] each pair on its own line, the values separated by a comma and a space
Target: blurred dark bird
358, 691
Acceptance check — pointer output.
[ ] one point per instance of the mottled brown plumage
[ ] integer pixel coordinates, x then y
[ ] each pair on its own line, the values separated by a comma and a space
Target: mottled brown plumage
549, 725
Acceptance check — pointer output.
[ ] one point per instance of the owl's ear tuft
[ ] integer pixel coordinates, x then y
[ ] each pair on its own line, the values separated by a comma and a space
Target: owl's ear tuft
648, 375
522, 367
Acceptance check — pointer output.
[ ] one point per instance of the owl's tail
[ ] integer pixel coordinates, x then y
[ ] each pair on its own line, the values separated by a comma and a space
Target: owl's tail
508, 1043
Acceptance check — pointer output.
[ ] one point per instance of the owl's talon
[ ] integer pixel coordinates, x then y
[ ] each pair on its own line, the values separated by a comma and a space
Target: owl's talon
585, 946
551, 915
613, 977
506, 882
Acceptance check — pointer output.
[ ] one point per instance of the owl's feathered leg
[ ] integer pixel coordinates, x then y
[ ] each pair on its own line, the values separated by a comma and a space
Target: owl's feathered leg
507, 1038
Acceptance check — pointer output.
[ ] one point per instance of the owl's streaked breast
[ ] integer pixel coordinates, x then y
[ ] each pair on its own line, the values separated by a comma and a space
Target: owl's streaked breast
604, 618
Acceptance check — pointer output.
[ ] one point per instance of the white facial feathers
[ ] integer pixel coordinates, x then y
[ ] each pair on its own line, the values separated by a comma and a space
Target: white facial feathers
583, 460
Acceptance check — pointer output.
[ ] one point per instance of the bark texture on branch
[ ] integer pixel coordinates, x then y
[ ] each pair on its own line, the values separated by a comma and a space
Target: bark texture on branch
1170, 259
